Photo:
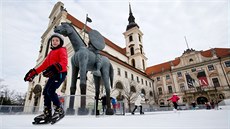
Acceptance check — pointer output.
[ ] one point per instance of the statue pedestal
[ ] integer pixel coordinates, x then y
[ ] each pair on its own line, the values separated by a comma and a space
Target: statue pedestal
83, 111
70, 111
109, 111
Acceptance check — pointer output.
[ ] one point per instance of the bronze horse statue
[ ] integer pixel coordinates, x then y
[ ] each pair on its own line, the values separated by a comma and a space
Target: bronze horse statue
83, 61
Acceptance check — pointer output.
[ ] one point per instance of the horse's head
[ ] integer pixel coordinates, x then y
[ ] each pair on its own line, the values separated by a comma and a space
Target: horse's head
64, 29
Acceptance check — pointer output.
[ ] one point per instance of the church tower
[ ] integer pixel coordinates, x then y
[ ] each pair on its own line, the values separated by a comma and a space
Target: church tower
134, 47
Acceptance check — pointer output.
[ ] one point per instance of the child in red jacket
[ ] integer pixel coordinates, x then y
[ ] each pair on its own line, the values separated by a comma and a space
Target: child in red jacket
54, 67
174, 100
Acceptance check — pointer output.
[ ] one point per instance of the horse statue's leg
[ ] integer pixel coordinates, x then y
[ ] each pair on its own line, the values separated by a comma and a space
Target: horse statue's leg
83, 58
97, 92
73, 88
106, 79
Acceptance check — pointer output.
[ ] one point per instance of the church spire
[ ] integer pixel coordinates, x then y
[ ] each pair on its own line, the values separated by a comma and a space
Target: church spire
131, 20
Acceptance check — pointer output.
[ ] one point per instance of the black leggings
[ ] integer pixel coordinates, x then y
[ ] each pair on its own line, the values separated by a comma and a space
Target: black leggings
136, 108
49, 91
175, 105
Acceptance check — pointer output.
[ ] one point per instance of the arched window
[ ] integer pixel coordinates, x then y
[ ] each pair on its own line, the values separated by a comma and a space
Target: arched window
119, 86
151, 93
130, 38
133, 89
132, 51
143, 91
143, 62
133, 63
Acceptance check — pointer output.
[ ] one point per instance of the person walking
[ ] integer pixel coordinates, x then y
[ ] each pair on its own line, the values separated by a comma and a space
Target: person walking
140, 98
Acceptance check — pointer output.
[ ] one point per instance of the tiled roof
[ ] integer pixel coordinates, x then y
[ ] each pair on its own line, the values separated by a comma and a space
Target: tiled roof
162, 67
220, 52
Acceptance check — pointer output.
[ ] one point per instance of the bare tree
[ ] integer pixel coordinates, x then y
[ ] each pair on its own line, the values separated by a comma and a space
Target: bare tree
130, 92
10, 97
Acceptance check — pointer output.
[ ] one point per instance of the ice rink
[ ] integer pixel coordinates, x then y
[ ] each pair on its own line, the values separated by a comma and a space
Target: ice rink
198, 119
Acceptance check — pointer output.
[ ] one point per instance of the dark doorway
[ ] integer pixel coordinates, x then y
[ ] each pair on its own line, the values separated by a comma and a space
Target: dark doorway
202, 100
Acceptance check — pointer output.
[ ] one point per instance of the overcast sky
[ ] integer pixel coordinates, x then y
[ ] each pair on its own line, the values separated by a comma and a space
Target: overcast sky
205, 23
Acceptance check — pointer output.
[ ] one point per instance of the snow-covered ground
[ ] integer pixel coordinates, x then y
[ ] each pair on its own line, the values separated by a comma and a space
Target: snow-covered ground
198, 119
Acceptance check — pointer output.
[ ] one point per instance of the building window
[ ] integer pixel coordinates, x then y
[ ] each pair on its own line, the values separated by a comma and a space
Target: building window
133, 89
139, 37
160, 91
215, 82
149, 84
182, 88
118, 71
170, 89
138, 79
130, 38
133, 63
39, 80
143, 62
151, 93
142, 81
126, 74
227, 63
190, 60
132, 76
158, 78
146, 83
210, 67
132, 51
167, 77
179, 74
47, 48
141, 49
193, 69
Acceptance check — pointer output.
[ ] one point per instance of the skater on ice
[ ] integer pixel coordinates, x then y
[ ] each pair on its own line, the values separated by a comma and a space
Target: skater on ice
140, 98
174, 100
54, 67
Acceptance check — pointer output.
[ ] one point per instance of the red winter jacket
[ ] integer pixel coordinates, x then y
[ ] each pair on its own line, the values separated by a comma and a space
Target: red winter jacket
55, 56
174, 98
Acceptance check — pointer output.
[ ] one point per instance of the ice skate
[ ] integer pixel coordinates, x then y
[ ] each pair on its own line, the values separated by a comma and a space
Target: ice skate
174, 110
142, 113
133, 113
58, 115
44, 118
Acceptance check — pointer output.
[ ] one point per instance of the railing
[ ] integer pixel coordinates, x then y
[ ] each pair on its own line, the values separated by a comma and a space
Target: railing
90, 107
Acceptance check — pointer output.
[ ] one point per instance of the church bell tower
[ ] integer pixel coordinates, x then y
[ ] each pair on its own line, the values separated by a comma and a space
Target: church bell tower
134, 47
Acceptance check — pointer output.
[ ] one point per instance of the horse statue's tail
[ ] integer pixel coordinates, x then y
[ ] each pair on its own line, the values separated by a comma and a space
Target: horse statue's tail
111, 74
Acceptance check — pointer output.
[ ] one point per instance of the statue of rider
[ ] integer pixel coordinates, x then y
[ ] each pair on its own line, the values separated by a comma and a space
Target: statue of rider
96, 44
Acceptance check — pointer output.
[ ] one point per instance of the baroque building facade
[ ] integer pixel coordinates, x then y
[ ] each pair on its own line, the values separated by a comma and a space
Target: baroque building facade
200, 76
129, 63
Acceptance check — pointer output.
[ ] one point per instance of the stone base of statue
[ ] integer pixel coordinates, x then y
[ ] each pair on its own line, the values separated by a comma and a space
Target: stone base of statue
83, 111
109, 111
70, 111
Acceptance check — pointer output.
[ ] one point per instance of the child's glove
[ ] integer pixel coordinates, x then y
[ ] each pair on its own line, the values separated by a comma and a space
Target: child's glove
52, 70
30, 75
